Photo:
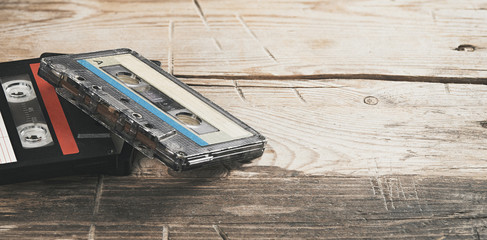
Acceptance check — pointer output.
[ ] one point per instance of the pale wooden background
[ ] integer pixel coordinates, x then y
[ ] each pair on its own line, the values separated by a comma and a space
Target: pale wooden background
374, 111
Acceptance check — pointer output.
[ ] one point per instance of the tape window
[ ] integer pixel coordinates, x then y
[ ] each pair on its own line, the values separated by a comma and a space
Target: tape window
227, 129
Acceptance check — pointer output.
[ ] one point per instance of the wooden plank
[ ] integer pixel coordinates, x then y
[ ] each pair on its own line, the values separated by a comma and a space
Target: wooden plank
270, 203
374, 39
60, 208
339, 173
347, 157
361, 127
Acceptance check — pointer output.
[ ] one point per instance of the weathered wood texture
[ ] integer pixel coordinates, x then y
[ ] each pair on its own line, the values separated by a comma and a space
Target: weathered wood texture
363, 127
272, 204
349, 155
316, 39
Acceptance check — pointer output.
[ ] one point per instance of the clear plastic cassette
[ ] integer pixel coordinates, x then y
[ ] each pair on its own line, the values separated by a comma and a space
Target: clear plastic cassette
152, 110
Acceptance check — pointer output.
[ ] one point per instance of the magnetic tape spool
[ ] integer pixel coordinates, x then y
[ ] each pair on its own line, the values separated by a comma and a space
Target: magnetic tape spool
26, 112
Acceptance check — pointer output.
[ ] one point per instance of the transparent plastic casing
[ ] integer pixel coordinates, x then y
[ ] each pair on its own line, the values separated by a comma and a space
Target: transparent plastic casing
150, 109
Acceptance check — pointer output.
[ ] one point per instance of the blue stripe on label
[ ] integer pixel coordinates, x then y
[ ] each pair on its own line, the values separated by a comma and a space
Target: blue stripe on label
143, 103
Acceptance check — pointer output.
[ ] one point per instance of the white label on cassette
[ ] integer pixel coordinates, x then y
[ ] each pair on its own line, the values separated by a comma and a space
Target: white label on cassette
7, 154
224, 128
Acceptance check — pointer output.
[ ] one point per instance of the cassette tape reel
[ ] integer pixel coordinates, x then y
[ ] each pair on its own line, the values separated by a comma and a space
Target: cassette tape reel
149, 108
26, 111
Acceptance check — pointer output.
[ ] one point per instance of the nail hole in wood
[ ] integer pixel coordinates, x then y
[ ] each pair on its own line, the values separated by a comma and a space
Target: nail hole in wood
465, 48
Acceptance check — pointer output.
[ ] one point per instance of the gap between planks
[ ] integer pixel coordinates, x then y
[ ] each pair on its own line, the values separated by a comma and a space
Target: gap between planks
96, 206
383, 77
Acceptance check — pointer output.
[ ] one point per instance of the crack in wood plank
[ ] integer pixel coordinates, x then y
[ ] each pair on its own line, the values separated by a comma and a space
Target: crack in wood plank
199, 9
373, 183
98, 194
401, 188
96, 206
382, 193
201, 14
165, 232
252, 34
239, 91
476, 233
268, 52
389, 188
417, 196
301, 98
91, 233
220, 232
219, 46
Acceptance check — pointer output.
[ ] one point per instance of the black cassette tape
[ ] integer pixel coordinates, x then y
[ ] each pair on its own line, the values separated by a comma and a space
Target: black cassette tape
152, 110
42, 135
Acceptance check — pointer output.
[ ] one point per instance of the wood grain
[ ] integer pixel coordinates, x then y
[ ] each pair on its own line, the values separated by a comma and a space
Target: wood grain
371, 39
273, 203
413, 128
373, 129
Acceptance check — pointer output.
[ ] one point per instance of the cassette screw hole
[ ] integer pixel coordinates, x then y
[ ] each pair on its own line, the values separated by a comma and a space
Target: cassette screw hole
148, 125
180, 155
80, 78
125, 100
96, 87
136, 115
188, 119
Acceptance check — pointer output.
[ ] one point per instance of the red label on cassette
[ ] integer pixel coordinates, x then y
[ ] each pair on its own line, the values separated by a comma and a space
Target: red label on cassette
56, 114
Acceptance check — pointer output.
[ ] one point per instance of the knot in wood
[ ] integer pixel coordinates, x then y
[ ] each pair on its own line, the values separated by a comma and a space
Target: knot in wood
371, 100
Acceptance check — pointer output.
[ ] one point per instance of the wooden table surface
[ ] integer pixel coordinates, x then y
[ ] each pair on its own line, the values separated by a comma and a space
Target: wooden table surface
374, 113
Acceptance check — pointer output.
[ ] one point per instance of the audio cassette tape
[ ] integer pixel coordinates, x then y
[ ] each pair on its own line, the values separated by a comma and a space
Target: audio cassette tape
42, 135
159, 115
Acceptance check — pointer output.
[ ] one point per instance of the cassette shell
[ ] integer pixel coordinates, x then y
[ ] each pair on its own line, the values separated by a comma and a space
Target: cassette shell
136, 123
99, 151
